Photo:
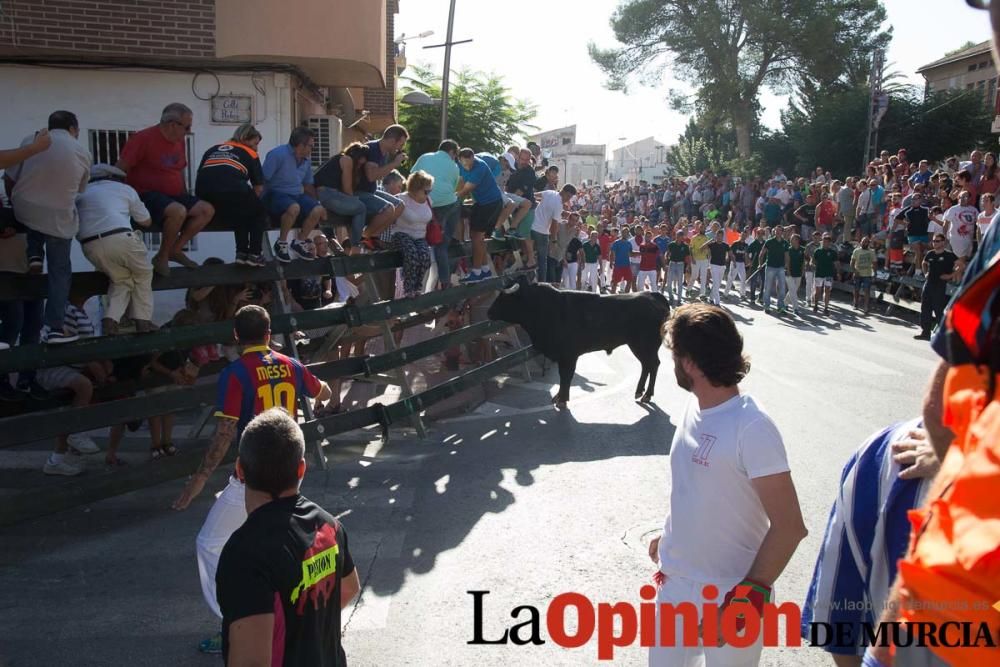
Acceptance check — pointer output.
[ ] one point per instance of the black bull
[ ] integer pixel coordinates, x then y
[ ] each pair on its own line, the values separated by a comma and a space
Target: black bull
565, 324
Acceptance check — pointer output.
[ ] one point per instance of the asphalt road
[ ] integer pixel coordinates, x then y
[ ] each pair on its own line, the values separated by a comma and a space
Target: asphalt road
515, 498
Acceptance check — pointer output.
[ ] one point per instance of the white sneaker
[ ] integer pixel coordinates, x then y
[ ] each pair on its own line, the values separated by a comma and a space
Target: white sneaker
64, 467
82, 444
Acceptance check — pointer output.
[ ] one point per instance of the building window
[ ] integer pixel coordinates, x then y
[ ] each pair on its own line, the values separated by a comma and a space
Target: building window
984, 64
972, 67
991, 93
106, 147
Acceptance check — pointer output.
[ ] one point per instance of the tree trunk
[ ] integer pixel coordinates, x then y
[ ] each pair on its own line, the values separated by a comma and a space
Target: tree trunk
742, 119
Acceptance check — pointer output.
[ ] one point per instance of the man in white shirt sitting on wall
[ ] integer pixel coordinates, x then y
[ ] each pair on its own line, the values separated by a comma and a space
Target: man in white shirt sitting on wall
107, 210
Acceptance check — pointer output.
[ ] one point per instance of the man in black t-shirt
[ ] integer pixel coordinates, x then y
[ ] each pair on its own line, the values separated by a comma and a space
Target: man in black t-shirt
918, 219
738, 267
718, 256
939, 270
286, 573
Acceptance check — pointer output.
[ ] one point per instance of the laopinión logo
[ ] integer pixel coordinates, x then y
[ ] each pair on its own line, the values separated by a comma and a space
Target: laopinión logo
739, 624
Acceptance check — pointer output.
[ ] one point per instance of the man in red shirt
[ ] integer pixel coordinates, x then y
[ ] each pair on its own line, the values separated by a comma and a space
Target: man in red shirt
154, 160
259, 380
826, 213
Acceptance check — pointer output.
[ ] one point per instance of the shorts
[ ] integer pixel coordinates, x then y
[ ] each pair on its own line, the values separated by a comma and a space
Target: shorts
863, 282
484, 216
920, 238
621, 273
57, 377
516, 200
895, 255
279, 202
378, 201
157, 203
524, 229
823, 282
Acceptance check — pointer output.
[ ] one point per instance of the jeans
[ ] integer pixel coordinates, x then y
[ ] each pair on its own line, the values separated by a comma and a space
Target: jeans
933, 300
21, 323
774, 278
60, 274
541, 242
675, 282
375, 202
340, 203
555, 270
447, 216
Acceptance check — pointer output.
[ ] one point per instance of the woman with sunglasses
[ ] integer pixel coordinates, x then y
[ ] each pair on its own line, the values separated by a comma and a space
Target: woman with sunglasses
410, 232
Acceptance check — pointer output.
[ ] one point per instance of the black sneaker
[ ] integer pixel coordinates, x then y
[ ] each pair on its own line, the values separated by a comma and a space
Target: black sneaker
33, 390
281, 252
300, 250
256, 260
922, 336
241, 258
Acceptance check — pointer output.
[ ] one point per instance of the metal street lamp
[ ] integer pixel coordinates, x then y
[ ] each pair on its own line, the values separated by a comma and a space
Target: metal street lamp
419, 98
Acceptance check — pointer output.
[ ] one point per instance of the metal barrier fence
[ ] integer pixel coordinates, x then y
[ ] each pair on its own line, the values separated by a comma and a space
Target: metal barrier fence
56, 495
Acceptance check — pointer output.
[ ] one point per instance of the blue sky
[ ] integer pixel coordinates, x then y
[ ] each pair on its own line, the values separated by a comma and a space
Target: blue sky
540, 48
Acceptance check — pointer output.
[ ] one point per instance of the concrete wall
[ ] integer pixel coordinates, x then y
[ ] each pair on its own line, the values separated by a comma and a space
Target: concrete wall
645, 159
133, 100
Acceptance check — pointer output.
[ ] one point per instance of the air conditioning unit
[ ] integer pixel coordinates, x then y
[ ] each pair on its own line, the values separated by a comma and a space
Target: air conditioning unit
327, 144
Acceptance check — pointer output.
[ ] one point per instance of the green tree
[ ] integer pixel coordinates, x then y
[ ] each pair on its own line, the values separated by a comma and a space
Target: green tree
482, 113
729, 49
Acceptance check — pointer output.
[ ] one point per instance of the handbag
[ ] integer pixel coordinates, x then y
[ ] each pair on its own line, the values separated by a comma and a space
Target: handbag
435, 233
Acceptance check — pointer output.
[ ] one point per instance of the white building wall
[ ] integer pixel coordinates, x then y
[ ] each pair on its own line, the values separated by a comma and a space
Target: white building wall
644, 160
133, 100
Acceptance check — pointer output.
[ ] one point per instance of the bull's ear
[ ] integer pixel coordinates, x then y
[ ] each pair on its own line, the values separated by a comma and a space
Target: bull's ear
513, 288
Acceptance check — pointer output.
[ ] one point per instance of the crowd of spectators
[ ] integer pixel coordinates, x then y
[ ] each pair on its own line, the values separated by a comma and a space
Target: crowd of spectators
771, 236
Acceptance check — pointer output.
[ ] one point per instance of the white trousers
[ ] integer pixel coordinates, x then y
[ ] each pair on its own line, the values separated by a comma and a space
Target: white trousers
738, 270
569, 275
640, 283
810, 284
701, 268
676, 590
590, 277
792, 294
227, 514
717, 270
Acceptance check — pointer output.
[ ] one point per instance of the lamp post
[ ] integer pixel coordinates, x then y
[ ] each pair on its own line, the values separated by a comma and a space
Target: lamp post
448, 43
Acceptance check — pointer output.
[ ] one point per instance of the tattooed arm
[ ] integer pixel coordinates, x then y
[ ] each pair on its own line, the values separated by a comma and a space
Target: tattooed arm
225, 429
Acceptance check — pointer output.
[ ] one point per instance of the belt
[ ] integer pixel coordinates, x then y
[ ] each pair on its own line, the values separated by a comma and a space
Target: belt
120, 230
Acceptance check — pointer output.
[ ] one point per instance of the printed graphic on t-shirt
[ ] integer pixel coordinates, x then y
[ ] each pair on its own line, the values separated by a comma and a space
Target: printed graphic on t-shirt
704, 449
319, 565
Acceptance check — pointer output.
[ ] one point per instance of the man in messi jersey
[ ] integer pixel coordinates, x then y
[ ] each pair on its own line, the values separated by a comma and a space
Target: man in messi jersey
260, 379
287, 572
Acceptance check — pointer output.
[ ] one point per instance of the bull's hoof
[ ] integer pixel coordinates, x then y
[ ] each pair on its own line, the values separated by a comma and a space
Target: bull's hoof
646, 398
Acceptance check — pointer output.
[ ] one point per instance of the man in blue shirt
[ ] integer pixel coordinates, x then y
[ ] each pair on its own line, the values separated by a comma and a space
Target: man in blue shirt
443, 166
621, 253
478, 180
290, 193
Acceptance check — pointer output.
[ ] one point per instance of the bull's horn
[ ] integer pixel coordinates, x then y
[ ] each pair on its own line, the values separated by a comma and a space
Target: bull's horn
513, 288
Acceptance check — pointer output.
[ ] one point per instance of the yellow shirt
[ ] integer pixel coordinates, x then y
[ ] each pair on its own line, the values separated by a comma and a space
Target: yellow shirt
699, 247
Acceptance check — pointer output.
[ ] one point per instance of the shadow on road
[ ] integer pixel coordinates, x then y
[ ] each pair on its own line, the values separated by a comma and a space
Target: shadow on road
483, 463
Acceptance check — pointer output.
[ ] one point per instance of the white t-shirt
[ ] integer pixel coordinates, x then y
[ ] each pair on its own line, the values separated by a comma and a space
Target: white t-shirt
963, 224
413, 221
983, 222
549, 208
716, 522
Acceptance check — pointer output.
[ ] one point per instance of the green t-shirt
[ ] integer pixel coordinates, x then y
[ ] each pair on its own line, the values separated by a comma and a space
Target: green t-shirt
864, 262
591, 252
796, 260
754, 249
824, 259
775, 253
677, 251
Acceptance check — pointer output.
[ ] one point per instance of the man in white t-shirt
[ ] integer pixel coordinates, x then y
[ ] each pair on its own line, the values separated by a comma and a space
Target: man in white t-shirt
734, 517
548, 214
960, 226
